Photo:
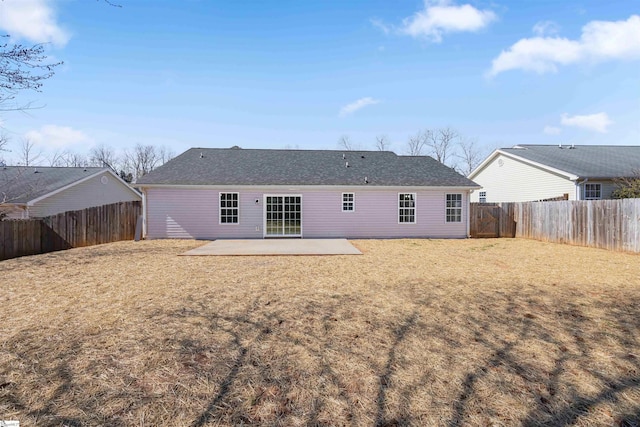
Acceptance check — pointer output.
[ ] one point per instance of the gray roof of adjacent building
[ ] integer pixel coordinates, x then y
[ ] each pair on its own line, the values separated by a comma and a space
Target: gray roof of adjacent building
237, 166
583, 161
21, 184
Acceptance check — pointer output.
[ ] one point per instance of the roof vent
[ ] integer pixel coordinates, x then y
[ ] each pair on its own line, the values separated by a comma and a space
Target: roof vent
366, 180
573, 146
346, 164
35, 170
560, 146
201, 155
344, 156
362, 157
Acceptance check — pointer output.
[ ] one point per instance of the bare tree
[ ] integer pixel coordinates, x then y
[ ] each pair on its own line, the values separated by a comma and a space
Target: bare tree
22, 68
57, 158
103, 156
469, 154
345, 143
382, 142
417, 143
29, 153
75, 160
441, 143
141, 160
165, 154
4, 142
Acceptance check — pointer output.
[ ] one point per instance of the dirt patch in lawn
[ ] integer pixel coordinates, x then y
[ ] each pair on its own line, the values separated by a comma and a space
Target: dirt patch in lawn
414, 332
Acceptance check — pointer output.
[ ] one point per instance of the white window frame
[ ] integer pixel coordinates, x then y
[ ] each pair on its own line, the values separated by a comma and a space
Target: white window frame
236, 208
598, 189
482, 197
346, 203
452, 213
414, 208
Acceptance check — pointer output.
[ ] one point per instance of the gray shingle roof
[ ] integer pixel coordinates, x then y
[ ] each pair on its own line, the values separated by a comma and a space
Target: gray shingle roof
585, 161
234, 166
21, 184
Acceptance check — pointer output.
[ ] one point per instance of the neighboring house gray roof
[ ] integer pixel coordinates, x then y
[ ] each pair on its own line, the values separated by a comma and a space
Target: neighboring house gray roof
21, 184
584, 161
236, 166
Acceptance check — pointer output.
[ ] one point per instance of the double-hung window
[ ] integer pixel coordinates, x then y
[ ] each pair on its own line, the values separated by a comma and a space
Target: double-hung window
592, 191
453, 211
407, 208
483, 197
229, 208
348, 202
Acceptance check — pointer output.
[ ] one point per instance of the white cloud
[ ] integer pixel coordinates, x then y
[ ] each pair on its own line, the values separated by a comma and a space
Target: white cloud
440, 17
32, 20
53, 136
546, 28
380, 25
600, 41
552, 130
596, 122
357, 105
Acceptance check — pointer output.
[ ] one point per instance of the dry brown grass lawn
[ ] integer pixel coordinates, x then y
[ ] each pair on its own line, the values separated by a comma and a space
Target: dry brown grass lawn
413, 332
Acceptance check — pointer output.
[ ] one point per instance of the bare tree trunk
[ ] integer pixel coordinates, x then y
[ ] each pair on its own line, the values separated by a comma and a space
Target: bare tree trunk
382, 142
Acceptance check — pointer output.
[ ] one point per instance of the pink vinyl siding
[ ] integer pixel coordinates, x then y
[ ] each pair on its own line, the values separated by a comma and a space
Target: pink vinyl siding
193, 213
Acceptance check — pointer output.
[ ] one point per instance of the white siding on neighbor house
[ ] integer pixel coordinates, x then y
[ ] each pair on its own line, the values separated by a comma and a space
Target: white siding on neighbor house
193, 213
516, 181
86, 194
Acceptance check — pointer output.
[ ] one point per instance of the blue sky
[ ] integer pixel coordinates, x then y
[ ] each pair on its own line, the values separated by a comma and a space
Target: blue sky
293, 74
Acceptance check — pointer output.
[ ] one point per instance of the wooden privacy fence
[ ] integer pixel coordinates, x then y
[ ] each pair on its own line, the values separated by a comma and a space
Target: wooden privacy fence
92, 226
607, 224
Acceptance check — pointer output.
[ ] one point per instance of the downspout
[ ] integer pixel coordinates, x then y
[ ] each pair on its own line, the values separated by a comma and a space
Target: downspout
469, 214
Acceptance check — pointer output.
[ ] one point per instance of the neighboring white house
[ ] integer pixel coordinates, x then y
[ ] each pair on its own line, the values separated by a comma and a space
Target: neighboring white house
36, 192
538, 172
209, 193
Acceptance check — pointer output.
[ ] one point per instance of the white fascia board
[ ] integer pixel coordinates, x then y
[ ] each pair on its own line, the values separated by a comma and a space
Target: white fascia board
86, 178
308, 187
568, 175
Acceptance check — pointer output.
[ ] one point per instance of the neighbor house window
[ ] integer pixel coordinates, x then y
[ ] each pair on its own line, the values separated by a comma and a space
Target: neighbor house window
483, 197
228, 208
407, 208
348, 202
592, 192
454, 208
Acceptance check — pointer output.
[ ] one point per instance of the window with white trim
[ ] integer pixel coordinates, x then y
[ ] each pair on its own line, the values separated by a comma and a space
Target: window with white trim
483, 197
348, 202
229, 207
407, 208
592, 191
453, 211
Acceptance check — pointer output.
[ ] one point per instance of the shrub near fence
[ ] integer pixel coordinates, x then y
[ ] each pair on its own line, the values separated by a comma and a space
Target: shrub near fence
92, 226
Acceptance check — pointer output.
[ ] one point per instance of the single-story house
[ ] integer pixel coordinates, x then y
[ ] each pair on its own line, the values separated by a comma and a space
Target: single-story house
212, 193
38, 191
540, 172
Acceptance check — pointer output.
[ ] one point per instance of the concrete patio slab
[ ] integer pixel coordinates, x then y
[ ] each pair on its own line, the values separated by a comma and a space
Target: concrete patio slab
276, 247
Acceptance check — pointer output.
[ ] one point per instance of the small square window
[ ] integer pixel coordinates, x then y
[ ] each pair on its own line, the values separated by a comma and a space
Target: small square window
592, 191
348, 202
